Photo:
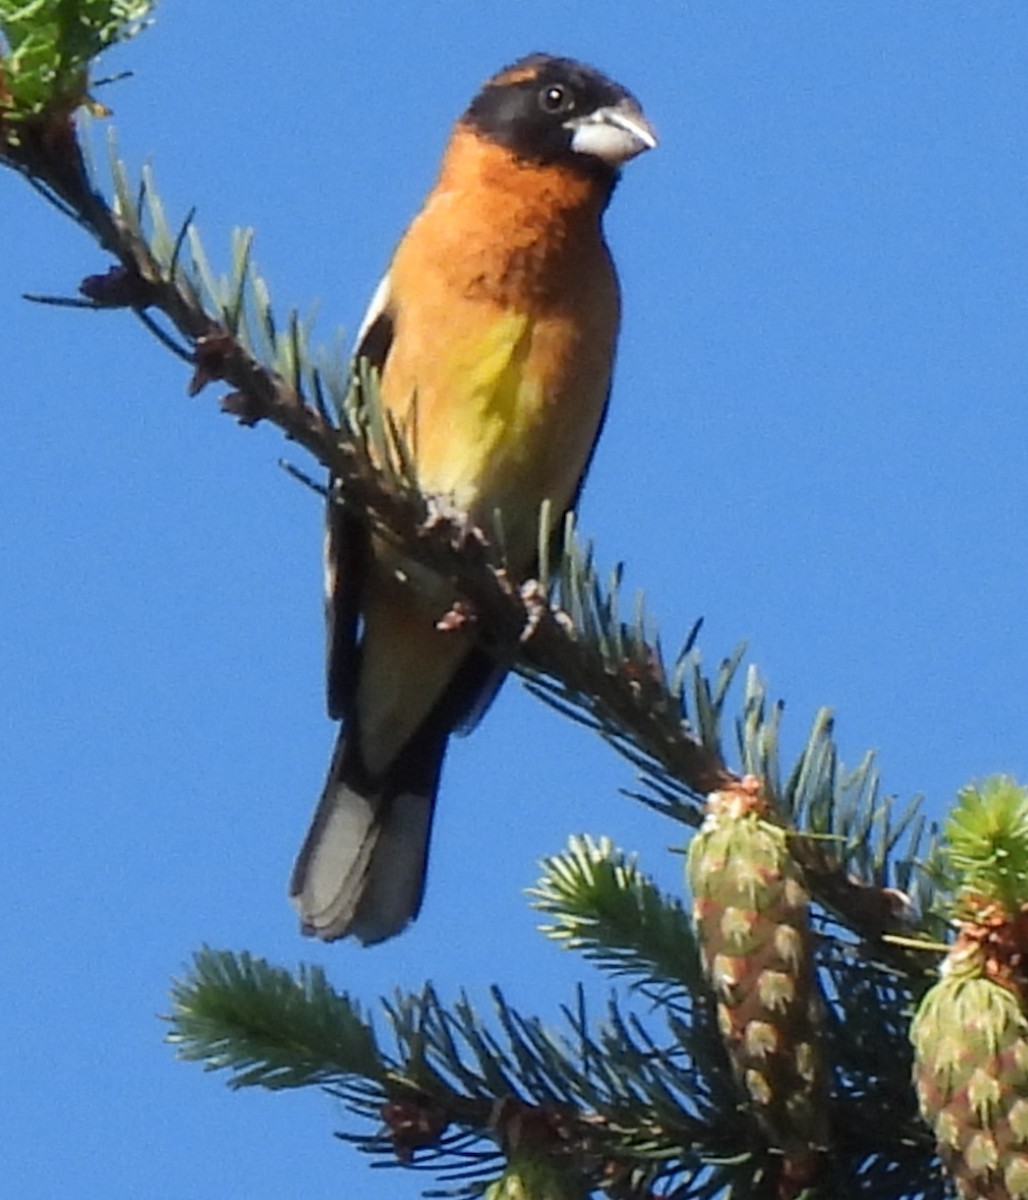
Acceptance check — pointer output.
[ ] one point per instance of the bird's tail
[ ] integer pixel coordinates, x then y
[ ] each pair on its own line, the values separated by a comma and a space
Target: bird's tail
361, 869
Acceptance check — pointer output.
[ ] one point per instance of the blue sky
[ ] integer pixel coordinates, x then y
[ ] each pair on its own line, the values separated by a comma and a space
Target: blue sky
817, 442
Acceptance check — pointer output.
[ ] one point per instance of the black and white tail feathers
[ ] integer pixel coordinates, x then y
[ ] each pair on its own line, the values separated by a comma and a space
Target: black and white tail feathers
361, 869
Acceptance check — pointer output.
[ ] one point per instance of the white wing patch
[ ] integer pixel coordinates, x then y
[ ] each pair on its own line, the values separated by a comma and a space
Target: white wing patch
379, 303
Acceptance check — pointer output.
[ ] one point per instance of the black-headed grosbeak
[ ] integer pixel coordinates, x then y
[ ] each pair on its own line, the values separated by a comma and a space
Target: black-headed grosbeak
494, 333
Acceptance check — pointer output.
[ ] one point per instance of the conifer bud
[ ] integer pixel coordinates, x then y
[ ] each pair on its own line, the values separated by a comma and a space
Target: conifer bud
533, 1177
970, 1037
750, 910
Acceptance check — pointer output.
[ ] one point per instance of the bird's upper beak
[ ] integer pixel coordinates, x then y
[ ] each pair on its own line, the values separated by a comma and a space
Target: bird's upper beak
614, 133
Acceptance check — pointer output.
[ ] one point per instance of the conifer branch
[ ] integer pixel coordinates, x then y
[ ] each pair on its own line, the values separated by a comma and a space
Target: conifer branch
604, 907
616, 1102
269, 1028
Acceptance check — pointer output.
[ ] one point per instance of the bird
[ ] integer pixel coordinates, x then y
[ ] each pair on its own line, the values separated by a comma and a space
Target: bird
493, 337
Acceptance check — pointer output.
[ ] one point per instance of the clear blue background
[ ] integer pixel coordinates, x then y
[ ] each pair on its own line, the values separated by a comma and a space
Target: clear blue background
818, 442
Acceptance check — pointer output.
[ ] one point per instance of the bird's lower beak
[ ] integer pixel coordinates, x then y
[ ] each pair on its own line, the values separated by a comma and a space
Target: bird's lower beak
614, 133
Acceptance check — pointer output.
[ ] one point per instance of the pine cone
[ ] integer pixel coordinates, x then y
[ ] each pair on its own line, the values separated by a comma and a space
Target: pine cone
970, 1039
750, 909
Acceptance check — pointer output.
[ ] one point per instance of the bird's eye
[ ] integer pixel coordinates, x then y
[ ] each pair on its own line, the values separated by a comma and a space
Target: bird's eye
556, 99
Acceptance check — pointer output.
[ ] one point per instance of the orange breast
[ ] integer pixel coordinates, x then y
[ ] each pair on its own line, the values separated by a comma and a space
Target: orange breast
506, 317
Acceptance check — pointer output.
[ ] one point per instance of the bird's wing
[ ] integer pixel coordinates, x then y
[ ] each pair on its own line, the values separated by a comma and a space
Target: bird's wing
347, 551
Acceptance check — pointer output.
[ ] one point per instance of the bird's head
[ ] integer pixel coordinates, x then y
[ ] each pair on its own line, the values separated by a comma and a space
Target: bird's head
549, 109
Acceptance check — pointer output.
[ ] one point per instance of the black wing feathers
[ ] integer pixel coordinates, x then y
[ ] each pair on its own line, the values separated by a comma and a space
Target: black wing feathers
347, 558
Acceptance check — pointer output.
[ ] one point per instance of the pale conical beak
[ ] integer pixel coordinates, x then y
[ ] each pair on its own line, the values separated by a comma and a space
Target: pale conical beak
614, 134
